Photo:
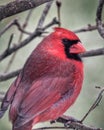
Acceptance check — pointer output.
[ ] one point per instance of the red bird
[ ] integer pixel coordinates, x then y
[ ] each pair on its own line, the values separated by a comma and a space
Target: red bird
49, 83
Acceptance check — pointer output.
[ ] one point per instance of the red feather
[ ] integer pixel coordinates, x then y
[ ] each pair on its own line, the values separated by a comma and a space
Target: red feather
48, 84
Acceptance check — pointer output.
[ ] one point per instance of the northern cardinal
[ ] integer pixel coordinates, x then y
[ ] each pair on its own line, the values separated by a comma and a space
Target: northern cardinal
49, 83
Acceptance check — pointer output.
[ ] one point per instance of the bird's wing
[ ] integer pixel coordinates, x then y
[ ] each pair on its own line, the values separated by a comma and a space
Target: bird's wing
9, 96
42, 95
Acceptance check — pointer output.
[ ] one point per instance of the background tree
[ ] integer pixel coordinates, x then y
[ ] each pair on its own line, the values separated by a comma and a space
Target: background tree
25, 22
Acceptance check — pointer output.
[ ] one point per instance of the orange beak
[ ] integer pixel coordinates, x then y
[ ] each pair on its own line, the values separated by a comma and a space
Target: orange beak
77, 48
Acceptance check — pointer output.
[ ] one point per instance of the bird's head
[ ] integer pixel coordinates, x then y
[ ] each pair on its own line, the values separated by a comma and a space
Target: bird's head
67, 43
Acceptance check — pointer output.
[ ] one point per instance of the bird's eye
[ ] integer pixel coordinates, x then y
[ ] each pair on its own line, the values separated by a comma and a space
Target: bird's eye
65, 41
68, 42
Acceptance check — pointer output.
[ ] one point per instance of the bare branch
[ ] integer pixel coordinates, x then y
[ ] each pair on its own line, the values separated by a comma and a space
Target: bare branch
89, 27
44, 14
53, 22
16, 23
24, 42
16, 47
40, 24
21, 28
94, 105
27, 19
96, 52
58, 4
7, 76
48, 128
10, 41
18, 6
83, 29
99, 18
7, 27
2, 94
76, 125
19, 40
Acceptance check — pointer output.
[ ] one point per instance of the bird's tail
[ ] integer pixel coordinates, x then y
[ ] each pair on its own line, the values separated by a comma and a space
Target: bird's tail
27, 126
7, 99
23, 128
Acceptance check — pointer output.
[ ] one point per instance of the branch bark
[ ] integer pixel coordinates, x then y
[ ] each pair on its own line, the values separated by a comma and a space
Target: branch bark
18, 6
87, 28
96, 52
6, 76
99, 18
44, 14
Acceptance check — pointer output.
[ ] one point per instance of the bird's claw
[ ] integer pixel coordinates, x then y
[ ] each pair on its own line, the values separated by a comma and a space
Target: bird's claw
52, 121
67, 124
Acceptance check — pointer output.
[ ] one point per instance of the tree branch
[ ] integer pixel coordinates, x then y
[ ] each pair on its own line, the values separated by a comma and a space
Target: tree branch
44, 14
94, 105
19, 40
9, 75
17, 24
2, 94
22, 44
18, 6
99, 18
26, 41
96, 52
73, 125
78, 126
89, 27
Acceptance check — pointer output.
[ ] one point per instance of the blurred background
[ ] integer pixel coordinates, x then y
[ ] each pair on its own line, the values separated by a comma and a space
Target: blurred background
74, 15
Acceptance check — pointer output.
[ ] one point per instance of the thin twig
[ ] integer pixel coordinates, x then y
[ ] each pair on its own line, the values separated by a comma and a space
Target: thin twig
75, 125
58, 4
10, 41
17, 47
27, 19
20, 38
16, 23
88, 28
7, 27
9, 75
2, 94
32, 36
25, 24
53, 22
21, 28
23, 43
94, 105
44, 14
99, 18
96, 52
48, 128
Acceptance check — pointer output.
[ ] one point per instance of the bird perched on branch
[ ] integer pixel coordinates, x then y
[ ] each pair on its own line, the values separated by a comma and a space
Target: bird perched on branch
49, 83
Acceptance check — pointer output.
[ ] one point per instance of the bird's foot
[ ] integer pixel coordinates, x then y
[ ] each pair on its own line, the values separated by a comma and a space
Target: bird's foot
66, 120
53, 121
